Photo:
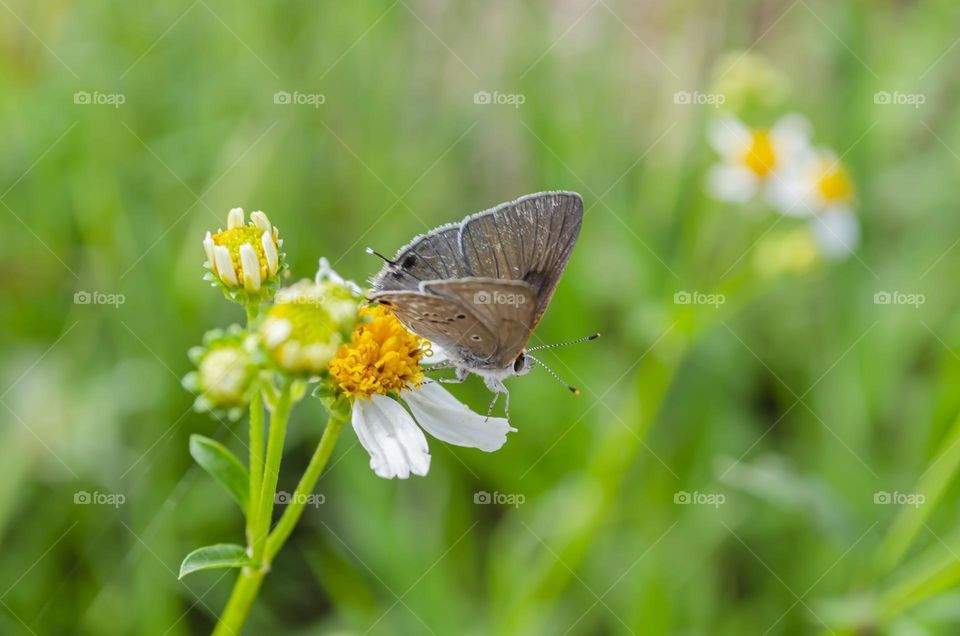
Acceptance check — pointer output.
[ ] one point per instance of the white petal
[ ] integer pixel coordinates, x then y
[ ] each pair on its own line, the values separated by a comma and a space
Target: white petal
729, 136
449, 420
791, 137
224, 265
261, 221
791, 193
388, 433
270, 249
837, 231
208, 248
250, 266
732, 183
235, 218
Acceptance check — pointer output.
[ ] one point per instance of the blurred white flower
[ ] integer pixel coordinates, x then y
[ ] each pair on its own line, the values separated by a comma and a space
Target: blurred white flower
818, 185
752, 159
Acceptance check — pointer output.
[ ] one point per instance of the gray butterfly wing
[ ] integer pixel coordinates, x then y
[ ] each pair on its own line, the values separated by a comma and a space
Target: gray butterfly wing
443, 320
504, 307
529, 239
428, 257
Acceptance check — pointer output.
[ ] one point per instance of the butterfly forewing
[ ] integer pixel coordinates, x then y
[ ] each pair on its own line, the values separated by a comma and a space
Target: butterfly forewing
529, 239
432, 256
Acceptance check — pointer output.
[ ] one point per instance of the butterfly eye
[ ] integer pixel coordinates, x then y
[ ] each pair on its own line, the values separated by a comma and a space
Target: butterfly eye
520, 363
409, 261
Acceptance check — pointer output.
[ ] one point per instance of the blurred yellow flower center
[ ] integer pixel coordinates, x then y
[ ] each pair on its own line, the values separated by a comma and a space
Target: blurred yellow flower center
834, 182
225, 374
382, 356
760, 157
233, 238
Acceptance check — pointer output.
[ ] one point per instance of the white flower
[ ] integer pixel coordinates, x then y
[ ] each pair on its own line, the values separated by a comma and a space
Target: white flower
398, 447
379, 371
244, 259
753, 158
819, 186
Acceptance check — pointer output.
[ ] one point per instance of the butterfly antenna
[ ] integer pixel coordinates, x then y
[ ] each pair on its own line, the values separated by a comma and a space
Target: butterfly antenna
370, 250
570, 388
564, 344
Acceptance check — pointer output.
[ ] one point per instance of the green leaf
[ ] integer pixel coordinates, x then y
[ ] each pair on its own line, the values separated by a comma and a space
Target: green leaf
221, 555
223, 466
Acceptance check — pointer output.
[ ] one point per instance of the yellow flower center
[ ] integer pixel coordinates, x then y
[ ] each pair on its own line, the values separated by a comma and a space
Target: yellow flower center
760, 157
834, 182
233, 238
382, 356
308, 336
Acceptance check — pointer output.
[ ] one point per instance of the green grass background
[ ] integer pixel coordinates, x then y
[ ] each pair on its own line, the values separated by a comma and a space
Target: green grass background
797, 400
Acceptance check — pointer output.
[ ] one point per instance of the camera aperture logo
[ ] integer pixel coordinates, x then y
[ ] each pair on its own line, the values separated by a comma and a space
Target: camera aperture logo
896, 498
97, 498
899, 298
296, 98
98, 298
496, 297
698, 298
315, 499
483, 498
496, 98
697, 498
96, 98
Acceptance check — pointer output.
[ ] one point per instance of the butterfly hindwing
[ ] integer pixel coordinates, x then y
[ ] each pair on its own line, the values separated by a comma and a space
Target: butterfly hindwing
505, 307
445, 321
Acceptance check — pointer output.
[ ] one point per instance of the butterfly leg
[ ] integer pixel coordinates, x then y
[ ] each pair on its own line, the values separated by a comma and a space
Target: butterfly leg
497, 387
462, 375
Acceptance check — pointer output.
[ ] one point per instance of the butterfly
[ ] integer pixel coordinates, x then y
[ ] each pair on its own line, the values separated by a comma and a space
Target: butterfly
478, 288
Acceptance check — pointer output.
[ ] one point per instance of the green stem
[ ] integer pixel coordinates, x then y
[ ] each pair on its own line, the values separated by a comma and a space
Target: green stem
252, 312
295, 509
271, 473
256, 462
241, 599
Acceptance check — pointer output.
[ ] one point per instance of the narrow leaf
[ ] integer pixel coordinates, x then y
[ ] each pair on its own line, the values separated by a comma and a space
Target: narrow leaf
221, 555
223, 466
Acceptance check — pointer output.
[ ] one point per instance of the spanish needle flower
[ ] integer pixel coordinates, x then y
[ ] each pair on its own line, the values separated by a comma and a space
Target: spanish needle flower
307, 324
818, 185
752, 159
245, 259
379, 372
227, 367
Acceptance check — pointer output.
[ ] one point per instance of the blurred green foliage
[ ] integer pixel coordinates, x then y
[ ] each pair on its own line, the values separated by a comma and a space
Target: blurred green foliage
798, 400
